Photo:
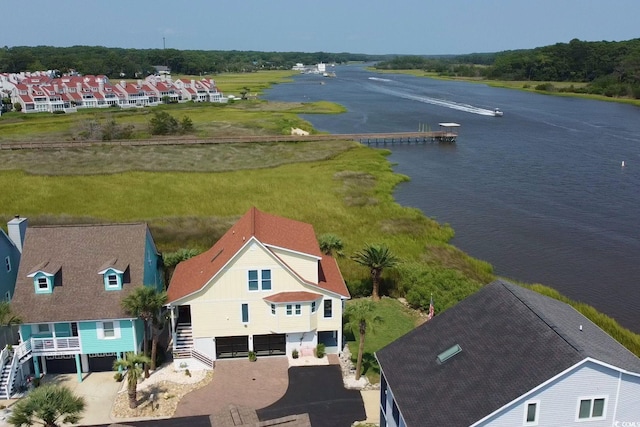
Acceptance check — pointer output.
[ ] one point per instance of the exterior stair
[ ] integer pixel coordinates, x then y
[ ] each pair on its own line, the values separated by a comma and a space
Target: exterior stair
183, 343
5, 387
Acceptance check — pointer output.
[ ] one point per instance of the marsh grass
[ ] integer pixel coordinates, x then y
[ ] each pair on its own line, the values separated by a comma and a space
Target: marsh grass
109, 159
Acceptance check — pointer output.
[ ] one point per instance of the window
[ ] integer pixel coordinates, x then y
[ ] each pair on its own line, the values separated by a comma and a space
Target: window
7, 262
253, 280
7, 296
531, 412
273, 309
298, 310
43, 328
313, 307
327, 308
112, 280
43, 283
289, 309
108, 330
264, 283
266, 280
245, 313
591, 408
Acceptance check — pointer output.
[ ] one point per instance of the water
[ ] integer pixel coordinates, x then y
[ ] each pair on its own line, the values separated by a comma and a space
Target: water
540, 193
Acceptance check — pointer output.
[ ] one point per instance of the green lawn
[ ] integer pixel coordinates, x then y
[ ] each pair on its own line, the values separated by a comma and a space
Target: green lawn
396, 320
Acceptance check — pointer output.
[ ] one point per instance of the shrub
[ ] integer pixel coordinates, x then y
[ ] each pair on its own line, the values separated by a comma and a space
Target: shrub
320, 351
187, 372
252, 356
295, 353
118, 376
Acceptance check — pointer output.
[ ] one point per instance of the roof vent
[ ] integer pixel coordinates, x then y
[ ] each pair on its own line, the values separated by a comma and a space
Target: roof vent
449, 353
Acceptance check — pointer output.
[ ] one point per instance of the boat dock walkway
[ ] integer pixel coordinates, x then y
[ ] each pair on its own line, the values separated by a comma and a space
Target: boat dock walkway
443, 136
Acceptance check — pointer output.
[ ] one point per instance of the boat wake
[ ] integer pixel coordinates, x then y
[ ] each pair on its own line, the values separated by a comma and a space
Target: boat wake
436, 101
379, 79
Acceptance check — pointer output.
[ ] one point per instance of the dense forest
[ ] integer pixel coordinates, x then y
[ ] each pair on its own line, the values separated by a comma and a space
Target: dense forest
608, 68
131, 63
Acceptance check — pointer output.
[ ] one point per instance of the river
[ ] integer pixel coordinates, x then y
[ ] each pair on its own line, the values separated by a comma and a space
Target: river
540, 193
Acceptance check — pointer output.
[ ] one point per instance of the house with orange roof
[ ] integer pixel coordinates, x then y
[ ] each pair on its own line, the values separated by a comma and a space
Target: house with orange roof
264, 287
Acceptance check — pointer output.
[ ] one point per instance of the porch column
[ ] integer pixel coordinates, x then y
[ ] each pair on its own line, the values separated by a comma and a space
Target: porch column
78, 368
172, 311
36, 366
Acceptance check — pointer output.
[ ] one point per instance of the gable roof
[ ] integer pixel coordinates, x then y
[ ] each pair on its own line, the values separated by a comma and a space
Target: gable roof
512, 339
272, 231
75, 254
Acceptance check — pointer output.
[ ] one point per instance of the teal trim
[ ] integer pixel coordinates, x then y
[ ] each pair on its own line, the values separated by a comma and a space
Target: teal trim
152, 265
62, 329
25, 332
38, 278
92, 342
118, 277
36, 366
79, 368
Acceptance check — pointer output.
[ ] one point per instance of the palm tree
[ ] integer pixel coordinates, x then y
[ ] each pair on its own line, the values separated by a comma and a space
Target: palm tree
132, 362
376, 258
146, 303
172, 259
331, 244
360, 314
46, 405
7, 319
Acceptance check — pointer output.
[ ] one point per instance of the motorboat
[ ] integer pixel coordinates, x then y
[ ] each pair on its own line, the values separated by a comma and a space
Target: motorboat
497, 113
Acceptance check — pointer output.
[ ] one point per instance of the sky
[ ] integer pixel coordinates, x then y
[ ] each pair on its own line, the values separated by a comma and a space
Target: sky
406, 27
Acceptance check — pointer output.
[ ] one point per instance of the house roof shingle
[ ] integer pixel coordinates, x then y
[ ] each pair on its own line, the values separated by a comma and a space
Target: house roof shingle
79, 253
270, 230
299, 296
512, 339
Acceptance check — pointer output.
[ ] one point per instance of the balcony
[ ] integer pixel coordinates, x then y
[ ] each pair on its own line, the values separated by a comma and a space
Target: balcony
55, 346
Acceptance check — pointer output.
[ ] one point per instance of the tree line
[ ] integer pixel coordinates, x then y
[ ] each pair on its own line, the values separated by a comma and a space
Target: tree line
608, 68
133, 63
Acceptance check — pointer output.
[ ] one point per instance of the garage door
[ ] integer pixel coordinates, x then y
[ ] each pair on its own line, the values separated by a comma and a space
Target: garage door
61, 364
227, 347
101, 362
267, 345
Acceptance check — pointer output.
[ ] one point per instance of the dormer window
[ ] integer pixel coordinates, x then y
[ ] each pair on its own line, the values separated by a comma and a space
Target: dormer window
42, 282
112, 279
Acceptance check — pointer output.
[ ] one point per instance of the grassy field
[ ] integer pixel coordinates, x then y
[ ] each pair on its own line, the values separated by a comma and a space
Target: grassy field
191, 195
395, 321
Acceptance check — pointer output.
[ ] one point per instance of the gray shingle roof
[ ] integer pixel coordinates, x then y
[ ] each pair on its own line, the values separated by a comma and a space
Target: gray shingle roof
513, 339
79, 253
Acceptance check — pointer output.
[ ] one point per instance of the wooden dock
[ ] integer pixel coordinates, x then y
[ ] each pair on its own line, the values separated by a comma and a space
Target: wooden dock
364, 138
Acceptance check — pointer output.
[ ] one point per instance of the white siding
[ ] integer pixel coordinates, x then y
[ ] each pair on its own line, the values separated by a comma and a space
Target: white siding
216, 311
304, 265
629, 400
559, 399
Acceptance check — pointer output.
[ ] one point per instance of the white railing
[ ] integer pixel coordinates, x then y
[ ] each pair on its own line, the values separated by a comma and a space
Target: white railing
51, 346
8, 386
23, 350
203, 358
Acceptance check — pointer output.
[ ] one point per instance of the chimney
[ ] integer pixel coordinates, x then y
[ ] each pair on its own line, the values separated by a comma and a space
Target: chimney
17, 228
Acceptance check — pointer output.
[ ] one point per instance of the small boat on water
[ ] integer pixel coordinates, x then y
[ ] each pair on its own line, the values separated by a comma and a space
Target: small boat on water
497, 113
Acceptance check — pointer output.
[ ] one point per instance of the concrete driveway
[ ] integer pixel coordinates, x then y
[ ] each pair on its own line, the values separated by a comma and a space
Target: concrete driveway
319, 392
99, 390
238, 382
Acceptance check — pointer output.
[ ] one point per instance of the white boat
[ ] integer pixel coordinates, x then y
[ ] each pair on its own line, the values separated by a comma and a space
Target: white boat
497, 113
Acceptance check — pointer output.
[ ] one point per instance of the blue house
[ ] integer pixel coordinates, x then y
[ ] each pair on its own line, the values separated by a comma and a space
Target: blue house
10, 250
71, 282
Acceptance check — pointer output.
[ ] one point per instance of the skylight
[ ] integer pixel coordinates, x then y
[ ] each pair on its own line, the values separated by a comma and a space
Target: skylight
449, 353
